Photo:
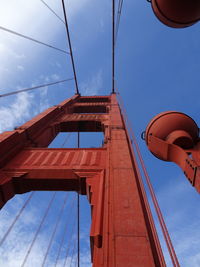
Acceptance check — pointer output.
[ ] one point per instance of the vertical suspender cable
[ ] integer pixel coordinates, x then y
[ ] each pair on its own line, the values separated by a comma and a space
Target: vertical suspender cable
39, 228
16, 218
70, 46
113, 46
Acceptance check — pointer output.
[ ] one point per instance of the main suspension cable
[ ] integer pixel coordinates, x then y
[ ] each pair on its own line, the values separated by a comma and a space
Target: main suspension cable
35, 87
70, 46
16, 218
33, 40
39, 228
52, 11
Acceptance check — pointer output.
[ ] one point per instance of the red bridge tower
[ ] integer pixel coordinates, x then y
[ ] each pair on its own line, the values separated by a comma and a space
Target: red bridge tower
122, 230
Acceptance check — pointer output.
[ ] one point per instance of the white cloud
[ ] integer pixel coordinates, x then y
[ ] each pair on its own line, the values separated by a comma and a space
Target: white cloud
7, 51
20, 67
55, 77
75, 6
26, 105
58, 65
17, 112
102, 25
15, 247
93, 85
182, 220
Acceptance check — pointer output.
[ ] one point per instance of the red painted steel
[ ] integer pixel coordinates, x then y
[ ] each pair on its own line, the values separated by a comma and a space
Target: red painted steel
177, 13
174, 136
122, 230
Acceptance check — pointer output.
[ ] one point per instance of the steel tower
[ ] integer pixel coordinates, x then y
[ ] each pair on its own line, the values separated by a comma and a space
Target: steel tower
122, 230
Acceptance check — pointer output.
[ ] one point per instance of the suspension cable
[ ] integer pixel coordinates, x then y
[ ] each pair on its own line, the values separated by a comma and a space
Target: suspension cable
35, 87
65, 231
33, 40
52, 11
66, 139
113, 46
55, 229
16, 218
120, 5
70, 239
70, 46
156, 205
73, 252
152, 193
39, 228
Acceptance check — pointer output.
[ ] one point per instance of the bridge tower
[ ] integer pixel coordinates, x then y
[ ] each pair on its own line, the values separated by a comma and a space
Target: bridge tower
122, 230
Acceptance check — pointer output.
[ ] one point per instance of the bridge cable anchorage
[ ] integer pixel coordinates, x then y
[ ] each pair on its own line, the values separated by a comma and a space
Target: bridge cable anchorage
70, 240
119, 11
33, 40
113, 46
39, 228
55, 228
152, 193
70, 47
71, 207
52, 11
35, 87
16, 218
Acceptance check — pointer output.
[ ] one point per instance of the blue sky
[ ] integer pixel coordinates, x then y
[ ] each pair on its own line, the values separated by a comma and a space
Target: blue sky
157, 69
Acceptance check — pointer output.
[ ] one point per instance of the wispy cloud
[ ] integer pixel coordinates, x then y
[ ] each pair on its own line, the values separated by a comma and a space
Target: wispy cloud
15, 247
6, 50
93, 85
20, 67
16, 112
26, 105
182, 218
